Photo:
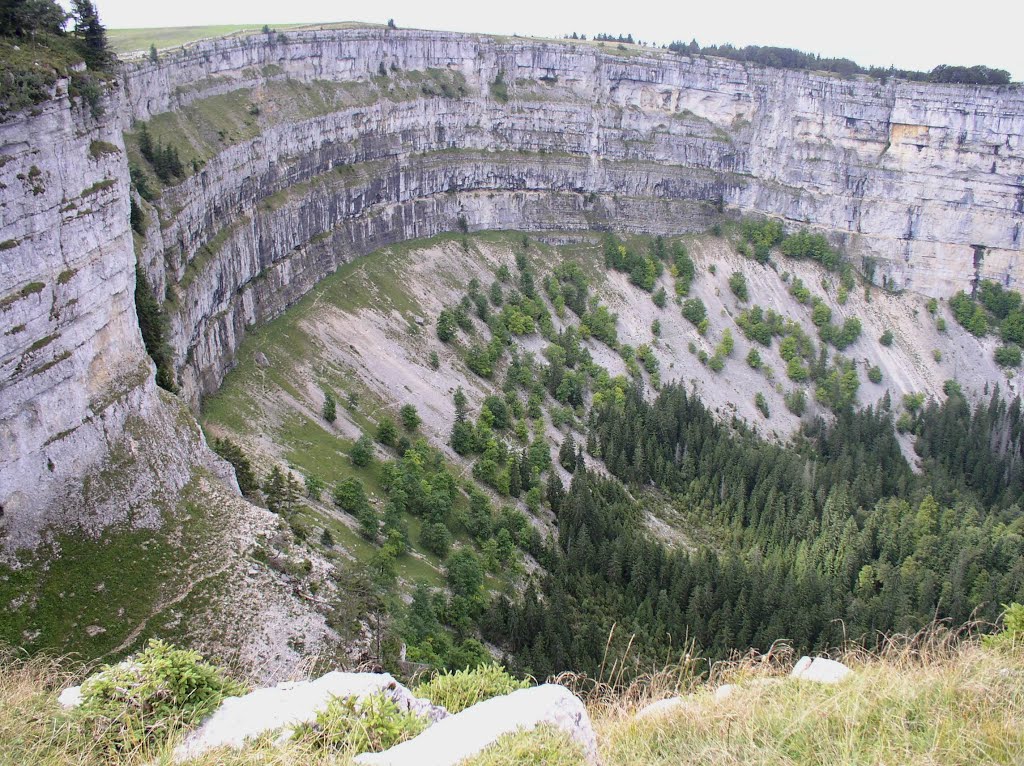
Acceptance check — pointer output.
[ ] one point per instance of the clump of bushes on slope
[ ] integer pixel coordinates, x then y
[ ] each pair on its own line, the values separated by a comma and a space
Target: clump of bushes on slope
464, 688
351, 726
143, 701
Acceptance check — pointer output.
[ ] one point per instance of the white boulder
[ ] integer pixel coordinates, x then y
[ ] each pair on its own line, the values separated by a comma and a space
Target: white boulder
287, 705
724, 691
662, 707
820, 669
461, 736
70, 697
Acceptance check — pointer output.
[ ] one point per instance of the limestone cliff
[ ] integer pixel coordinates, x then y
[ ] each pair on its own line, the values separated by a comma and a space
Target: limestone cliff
412, 133
77, 395
926, 182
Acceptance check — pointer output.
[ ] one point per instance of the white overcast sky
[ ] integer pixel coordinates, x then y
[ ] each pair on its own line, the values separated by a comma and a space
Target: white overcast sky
911, 35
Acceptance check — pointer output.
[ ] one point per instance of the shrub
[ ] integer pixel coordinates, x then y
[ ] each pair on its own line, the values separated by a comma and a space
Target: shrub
315, 487
446, 325
754, 359
464, 688
155, 330
821, 315
725, 345
656, 328
660, 298
969, 315
738, 285
350, 496
1012, 328
1012, 634
410, 417
762, 404
913, 402
875, 375
387, 432
349, 725
847, 334
886, 338
796, 401
1008, 356
763, 236
436, 538
804, 244
144, 700
694, 311
799, 291
796, 370
362, 451
499, 88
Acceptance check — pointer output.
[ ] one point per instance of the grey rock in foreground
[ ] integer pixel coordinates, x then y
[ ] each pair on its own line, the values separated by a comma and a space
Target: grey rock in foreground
820, 669
287, 705
462, 736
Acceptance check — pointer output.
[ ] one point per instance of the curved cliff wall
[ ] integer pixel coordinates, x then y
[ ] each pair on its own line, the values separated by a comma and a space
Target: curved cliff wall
925, 180
418, 132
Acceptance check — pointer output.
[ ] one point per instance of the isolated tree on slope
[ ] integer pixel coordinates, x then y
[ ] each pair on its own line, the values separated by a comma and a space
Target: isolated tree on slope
92, 33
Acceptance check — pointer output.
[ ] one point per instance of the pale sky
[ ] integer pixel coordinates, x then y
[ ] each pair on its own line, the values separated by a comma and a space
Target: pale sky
909, 35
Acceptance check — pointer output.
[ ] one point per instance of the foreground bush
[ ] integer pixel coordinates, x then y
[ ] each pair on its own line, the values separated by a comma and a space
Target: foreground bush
464, 688
349, 726
141, 702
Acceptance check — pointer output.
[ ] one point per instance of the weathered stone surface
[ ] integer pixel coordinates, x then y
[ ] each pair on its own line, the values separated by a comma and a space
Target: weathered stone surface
285, 706
70, 697
820, 670
465, 734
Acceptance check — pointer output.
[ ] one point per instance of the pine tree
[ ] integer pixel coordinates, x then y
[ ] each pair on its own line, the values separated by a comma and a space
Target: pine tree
146, 144
555, 492
567, 454
275, 490
330, 408
91, 33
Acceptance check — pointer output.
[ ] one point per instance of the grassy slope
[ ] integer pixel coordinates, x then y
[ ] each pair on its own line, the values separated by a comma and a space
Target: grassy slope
139, 39
917, 704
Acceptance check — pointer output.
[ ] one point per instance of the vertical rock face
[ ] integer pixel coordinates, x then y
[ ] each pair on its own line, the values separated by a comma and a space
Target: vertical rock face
925, 182
75, 380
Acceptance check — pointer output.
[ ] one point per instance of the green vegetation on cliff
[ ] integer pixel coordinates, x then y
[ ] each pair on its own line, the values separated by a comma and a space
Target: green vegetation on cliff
35, 50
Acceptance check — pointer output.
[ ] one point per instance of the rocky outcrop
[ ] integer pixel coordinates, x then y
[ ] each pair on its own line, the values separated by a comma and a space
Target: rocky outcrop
281, 709
437, 130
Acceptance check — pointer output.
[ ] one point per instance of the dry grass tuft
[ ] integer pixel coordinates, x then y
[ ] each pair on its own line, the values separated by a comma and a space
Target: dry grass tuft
935, 697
